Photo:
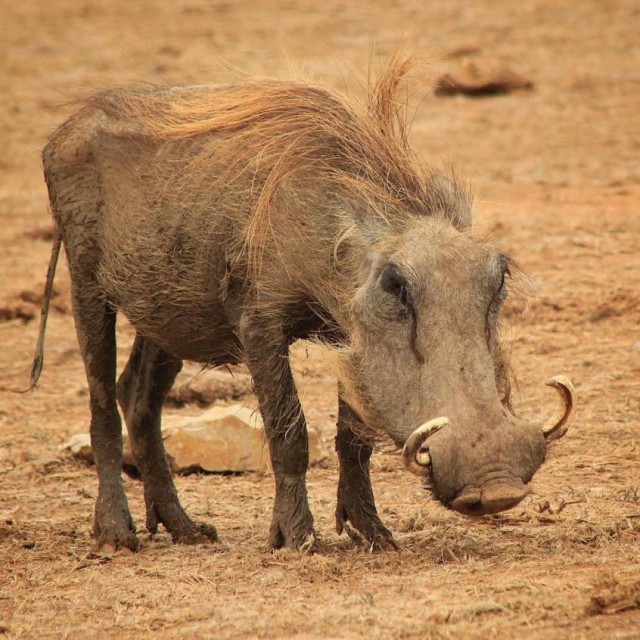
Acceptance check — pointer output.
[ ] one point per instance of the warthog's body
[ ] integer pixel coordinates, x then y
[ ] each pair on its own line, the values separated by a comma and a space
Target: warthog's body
226, 222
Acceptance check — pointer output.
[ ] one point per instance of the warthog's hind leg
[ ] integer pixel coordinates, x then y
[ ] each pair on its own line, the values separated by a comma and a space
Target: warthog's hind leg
95, 325
142, 389
356, 510
76, 203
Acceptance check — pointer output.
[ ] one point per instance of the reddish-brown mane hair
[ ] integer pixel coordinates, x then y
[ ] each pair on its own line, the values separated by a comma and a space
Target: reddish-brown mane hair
281, 131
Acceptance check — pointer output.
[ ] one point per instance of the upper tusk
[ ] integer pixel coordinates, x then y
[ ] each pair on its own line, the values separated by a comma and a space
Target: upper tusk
559, 424
415, 457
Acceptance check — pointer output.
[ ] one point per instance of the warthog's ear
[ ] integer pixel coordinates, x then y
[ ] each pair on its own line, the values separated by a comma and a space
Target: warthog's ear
452, 199
370, 227
370, 268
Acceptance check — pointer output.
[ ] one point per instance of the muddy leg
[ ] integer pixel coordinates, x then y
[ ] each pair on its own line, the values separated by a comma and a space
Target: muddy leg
292, 522
142, 388
95, 325
356, 511
75, 202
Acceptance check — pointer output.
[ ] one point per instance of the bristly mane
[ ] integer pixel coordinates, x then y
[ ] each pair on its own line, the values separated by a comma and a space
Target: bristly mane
281, 131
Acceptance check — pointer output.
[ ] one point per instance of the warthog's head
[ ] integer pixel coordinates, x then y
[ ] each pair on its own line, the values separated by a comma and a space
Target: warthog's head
426, 367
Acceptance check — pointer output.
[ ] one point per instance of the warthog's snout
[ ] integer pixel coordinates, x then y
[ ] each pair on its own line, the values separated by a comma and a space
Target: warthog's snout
479, 479
492, 498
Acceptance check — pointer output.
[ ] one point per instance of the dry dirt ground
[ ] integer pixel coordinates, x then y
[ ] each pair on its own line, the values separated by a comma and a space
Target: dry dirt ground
557, 181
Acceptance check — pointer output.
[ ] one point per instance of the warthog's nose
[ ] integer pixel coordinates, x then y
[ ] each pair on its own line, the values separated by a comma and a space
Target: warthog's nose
493, 498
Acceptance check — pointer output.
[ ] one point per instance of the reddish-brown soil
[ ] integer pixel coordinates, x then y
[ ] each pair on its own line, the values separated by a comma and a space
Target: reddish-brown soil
556, 174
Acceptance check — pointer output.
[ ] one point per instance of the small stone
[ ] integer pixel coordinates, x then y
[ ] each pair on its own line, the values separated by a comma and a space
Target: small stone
80, 446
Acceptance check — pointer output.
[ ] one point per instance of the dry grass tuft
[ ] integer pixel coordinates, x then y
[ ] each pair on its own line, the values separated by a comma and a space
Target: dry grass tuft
615, 595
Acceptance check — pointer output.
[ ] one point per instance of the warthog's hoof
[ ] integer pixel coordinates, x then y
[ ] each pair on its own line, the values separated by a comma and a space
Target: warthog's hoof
182, 528
111, 539
360, 521
378, 540
297, 533
197, 534
108, 545
307, 545
113, 528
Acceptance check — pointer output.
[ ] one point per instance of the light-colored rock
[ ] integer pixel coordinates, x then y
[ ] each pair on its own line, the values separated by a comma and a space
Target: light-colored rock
221, 439
80, 446
204, 388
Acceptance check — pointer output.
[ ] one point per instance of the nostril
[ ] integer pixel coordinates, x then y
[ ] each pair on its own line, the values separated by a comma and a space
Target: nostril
474, 508
469, 502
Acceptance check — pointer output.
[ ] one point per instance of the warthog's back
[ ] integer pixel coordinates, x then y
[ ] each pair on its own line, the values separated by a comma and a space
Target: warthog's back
210, 200
176, 216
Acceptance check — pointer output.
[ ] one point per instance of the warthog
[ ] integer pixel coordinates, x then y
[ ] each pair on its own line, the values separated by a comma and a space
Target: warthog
226, 222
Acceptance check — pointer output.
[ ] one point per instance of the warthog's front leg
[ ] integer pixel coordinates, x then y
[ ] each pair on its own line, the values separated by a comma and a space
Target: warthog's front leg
142, 388
267, 357
356, 510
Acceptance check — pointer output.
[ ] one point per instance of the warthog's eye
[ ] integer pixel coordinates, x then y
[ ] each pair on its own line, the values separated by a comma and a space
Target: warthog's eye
497, 300
501, 292
393, 282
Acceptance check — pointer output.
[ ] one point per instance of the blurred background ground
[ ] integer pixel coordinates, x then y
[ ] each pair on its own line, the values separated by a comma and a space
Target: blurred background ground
557, 181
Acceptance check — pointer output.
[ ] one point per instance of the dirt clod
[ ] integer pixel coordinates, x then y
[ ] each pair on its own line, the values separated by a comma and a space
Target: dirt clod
23, 312
501, 83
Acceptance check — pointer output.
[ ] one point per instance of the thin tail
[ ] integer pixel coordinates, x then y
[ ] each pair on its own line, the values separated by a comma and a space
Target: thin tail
38, 358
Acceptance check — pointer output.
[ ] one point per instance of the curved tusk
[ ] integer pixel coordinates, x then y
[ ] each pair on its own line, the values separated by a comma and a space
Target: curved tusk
559, 424
416, 457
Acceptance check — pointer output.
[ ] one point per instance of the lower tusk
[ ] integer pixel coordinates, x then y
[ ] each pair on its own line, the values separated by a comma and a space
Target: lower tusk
416, 457
559, 424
